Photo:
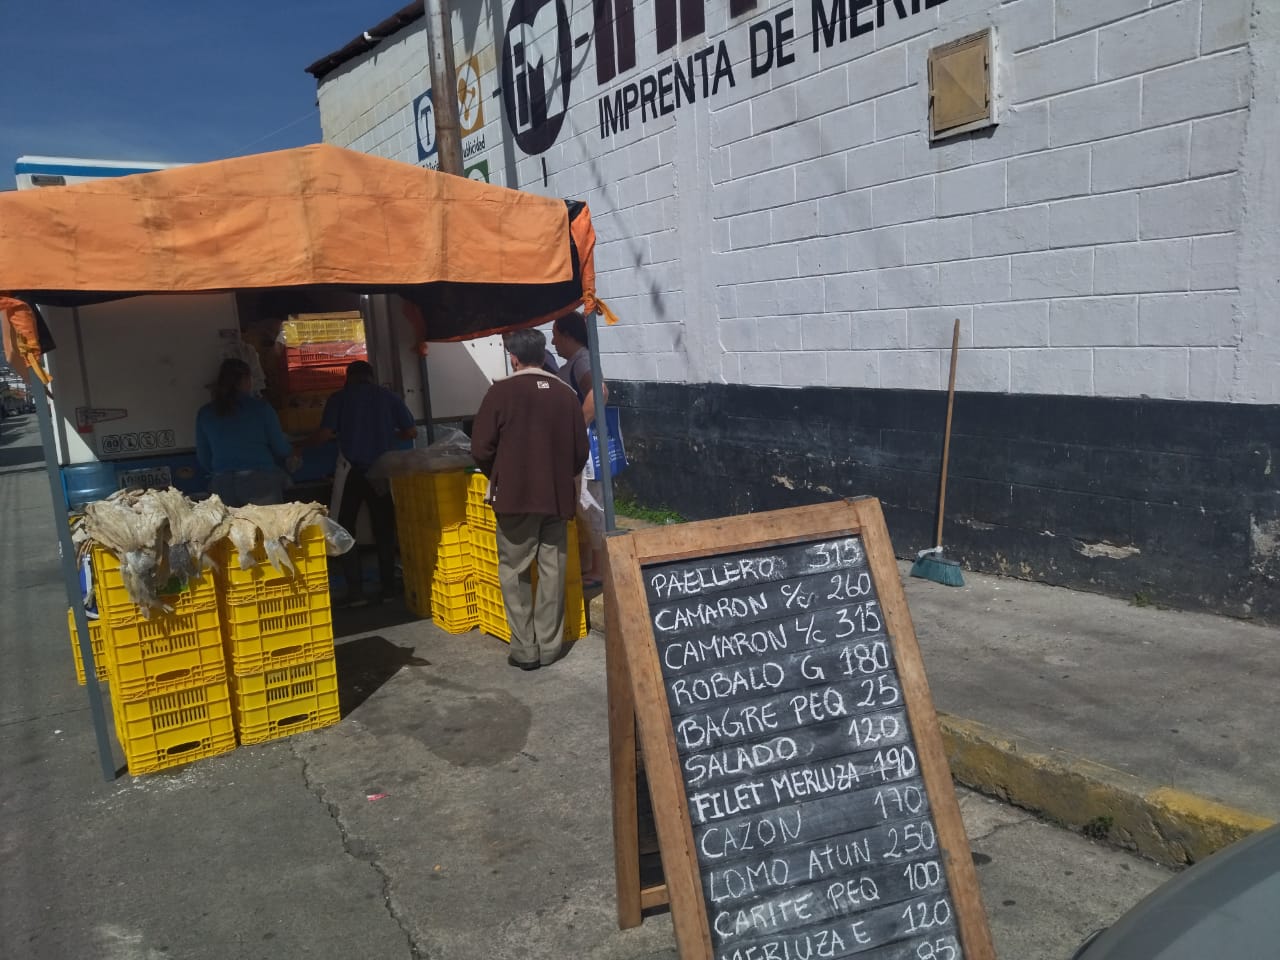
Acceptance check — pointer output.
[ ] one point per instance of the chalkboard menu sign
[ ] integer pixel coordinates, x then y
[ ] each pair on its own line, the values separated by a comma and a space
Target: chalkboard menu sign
795, 730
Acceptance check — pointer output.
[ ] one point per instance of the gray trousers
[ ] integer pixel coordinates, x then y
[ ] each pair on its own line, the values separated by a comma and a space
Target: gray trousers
537, 624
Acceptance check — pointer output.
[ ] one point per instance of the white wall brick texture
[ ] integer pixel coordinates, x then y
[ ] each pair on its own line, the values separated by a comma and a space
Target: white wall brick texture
879, 330
1014, 230
1223, 24
1093, 321
1165, 36
1056, 68
935, 241
1019, 324
1088, 243
1110, 218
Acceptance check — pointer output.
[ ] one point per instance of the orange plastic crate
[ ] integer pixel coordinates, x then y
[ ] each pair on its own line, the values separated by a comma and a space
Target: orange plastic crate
97, 631
324, 353
305, 379
165, 653
277, 703
171, 729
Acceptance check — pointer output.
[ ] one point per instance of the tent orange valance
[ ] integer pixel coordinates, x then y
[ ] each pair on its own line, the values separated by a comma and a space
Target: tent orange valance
475, 258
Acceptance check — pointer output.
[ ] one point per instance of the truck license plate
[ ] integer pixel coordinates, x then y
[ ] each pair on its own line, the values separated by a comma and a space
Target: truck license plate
154, 478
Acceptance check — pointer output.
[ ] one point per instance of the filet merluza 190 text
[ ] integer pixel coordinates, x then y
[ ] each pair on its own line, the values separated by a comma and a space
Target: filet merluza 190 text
810, 818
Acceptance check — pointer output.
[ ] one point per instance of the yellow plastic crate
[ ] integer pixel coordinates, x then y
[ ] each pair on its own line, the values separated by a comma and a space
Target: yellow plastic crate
260, 580
277, 703
323, 328
275, 632
165, 653
484, 553
436, 500
575, 612
97, 630
450, 493
417, 590
174, 728
297, 420
479, 513
453, 604
481, 516
448, 551
492, 610
115, 606
484, 549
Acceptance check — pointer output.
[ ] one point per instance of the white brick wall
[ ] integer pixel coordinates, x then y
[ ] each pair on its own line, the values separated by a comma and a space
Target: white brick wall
800, 229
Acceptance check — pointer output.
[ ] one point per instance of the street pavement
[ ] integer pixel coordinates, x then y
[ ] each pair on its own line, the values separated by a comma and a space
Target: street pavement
460, 809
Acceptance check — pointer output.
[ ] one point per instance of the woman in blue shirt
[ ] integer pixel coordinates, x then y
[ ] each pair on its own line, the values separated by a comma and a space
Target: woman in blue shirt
239, 441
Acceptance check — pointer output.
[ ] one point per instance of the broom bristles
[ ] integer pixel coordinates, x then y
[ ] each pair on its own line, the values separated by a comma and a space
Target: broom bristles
932, 566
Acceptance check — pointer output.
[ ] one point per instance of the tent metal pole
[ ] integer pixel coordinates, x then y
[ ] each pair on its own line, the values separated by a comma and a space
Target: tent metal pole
602, 424
71, 576
428, 419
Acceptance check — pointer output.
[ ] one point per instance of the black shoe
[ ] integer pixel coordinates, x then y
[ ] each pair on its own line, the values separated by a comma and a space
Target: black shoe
523, 666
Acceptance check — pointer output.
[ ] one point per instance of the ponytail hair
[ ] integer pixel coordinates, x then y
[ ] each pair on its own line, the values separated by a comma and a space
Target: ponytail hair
226, 391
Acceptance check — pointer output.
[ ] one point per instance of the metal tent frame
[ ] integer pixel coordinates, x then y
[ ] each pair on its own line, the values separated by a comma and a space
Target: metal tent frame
70, 569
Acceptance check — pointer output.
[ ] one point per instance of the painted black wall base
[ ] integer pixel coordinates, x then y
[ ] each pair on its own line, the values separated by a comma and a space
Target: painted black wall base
1178, 502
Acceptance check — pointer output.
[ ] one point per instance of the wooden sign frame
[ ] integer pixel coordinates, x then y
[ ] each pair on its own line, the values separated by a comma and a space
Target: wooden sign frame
638, 704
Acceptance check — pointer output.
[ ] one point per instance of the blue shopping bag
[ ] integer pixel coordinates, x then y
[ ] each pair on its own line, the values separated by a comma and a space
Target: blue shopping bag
617, 453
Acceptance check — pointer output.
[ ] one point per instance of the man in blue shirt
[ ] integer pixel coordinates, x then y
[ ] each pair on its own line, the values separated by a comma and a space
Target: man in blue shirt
368, 420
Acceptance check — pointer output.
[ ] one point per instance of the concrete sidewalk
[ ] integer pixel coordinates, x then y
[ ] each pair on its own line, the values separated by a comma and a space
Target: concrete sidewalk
1151, 729
459, 810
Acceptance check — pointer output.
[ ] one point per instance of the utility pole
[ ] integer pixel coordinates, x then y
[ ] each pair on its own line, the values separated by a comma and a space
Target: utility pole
444, 86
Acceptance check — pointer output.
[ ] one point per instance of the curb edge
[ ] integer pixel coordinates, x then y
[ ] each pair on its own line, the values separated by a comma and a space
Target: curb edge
1167, 825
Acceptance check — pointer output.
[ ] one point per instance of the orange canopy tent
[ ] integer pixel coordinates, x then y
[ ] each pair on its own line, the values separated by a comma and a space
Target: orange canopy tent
473, 258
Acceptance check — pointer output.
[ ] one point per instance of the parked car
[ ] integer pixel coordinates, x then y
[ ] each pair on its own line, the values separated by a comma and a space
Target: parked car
1224, 908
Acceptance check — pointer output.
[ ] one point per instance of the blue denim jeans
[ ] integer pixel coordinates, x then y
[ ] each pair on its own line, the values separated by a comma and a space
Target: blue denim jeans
238, 488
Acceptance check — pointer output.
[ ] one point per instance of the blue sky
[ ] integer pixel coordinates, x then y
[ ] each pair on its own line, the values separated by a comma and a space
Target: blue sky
167, 80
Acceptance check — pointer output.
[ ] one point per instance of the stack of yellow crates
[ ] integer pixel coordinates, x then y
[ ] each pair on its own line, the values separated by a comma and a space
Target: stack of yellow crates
436, 547
172, 702
96, 632
278, 638
484, 551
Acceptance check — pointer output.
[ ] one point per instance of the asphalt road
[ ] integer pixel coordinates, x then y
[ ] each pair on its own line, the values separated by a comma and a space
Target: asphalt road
459, 810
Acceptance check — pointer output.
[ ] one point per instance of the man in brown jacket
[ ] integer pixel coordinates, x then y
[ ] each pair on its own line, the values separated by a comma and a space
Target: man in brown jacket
530, 440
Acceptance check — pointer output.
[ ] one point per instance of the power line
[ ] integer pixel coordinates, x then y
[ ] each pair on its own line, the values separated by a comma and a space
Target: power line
292, 123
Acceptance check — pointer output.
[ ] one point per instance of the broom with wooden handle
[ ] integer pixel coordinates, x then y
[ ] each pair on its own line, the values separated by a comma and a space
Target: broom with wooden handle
931, 564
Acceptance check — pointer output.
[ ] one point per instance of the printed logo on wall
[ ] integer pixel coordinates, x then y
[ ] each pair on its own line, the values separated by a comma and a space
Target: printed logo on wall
478, 171
470, 106
537, 67
425, 113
